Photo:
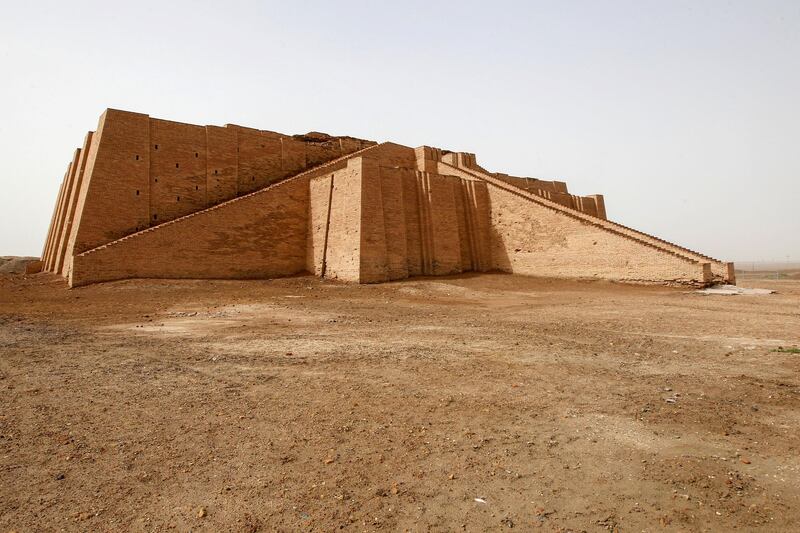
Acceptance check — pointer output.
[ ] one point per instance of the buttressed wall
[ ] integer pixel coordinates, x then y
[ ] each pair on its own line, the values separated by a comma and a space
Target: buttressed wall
145, 197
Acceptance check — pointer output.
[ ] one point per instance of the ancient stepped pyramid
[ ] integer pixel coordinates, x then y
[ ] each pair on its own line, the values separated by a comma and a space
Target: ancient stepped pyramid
150, 198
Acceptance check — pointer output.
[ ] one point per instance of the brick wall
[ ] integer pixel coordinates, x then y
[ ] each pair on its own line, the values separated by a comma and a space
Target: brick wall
52, 239
91, 157
153, 198
137, 172
222, 164
177, 171
373, 257
344, 234
320, 192
258, 236
395, 227
72, 202
528, 238
410, 223
111, 207
720, 271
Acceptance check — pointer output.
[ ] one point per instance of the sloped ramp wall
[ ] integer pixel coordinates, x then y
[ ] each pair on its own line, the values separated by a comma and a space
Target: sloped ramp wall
264, 234
257, 236
720, 271
138, 172
530, 239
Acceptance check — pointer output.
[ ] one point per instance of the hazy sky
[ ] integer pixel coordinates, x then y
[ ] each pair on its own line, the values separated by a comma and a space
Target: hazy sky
685, 115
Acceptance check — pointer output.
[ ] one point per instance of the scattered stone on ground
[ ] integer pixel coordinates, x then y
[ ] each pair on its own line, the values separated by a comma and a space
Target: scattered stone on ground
734, 290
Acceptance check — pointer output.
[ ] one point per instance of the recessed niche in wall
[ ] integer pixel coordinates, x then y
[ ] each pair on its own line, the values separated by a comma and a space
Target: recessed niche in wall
137, 157
156, 147
178, 199
197, 187
156, 180
196, 154
215, 172
155, 217
137, 192
177, 165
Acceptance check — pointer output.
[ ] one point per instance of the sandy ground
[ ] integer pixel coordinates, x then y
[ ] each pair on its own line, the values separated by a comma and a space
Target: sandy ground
10, 264
477, 403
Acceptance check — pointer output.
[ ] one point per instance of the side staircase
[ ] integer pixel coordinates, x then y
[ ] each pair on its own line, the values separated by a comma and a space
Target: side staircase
720, 271
330, 166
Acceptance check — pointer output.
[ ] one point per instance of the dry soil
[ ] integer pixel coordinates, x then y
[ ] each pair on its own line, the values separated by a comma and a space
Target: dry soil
475, 403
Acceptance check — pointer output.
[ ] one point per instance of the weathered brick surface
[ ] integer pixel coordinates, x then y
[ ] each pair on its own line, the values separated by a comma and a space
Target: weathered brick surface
222, 164
66, 202
394, 222
140, 172
320, 192
720, 271
177, 172
61, 207
259, 236
47, 254
374, 262
111, 207
344, 234
260, 160
72, 238
528, 238
147, 197
446, 251
75, 188
411, 212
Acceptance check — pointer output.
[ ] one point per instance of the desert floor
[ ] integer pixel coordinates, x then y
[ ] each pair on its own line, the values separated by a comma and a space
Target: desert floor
475, 403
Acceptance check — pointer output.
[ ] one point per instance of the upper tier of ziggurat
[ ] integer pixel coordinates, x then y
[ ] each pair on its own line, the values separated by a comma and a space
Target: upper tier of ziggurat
151, 198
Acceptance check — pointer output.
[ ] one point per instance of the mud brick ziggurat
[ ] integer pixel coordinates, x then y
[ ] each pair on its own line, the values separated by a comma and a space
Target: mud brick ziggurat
150, 198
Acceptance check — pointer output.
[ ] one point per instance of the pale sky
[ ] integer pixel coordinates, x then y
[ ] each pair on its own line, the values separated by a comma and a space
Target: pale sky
685, 115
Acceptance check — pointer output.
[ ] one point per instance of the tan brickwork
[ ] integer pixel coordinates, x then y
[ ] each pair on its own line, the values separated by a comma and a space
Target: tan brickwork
75, 188
147, 197
344, 232
260, 236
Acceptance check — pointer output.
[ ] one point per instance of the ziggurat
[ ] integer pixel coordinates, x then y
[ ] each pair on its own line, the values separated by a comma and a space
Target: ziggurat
150, 198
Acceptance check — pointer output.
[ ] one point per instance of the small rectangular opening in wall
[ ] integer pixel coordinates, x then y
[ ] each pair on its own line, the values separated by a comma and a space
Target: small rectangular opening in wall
156, 147
137, 192
155, 217
197, 187
177, 165
196, 154
137, 157
253, 178
156, 180
179, 199
215, 172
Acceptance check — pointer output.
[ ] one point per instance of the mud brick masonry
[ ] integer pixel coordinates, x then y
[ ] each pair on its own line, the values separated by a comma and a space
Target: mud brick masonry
151, 198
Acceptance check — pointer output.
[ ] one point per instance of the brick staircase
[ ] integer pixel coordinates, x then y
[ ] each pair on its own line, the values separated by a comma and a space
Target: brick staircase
334, 164
720, 270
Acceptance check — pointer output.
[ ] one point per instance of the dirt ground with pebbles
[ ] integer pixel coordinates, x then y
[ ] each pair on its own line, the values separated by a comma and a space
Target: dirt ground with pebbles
474, 403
